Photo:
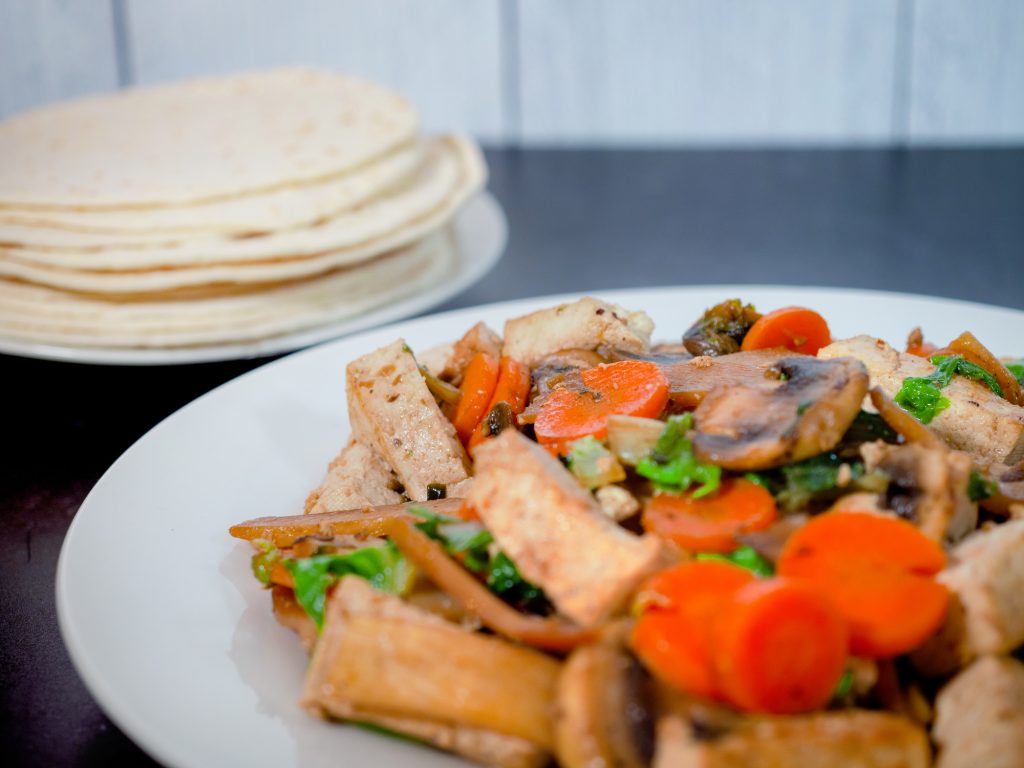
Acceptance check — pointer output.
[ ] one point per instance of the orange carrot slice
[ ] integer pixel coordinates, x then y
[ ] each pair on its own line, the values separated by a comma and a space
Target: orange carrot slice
878, 572
779, 648
710, 523
478, 386
796, 328
673, 636
627, 388
513, 387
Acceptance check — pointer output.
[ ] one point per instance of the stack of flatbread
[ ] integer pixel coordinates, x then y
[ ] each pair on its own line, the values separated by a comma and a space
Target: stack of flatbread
222, 210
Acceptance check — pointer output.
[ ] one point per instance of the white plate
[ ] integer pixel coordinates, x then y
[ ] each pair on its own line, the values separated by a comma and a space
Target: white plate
165, 623
481, 230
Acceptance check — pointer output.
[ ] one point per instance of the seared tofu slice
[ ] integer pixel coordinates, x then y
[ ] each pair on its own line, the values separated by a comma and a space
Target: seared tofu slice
584, 324
977, 421
980, 716
555, 532
392, 410
987, 613
479, 338
850, 739
370, 665
357, 477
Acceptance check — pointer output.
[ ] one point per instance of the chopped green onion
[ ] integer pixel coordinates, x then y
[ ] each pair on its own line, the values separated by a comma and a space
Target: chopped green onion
980, 488
593, 464
672, 464
956, 364
745, 557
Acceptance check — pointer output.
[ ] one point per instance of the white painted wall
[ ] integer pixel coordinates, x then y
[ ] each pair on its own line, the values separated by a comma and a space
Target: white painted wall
570, 72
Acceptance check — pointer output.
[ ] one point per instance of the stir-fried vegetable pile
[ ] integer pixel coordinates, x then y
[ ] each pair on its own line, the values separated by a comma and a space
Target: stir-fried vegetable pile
630, 552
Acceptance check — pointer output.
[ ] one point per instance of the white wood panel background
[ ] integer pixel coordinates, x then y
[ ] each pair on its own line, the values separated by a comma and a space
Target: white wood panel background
593, 72
52, 49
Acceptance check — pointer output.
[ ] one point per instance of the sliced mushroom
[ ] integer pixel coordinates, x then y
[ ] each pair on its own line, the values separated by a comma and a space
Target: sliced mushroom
560, 369
770, 542
743, 427
604, 707
690, 378
927, 486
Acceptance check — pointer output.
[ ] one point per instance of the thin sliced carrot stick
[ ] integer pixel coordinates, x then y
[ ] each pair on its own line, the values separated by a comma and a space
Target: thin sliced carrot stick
427, 555
513, 388
477, 388
370, 521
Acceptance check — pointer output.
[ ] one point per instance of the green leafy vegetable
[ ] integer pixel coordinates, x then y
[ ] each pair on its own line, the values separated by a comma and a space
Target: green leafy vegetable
380, 729
759, 479
815, 481
263, 561
504, 580
471, 542
844, 686
867, 427
672, 465
920, 397
979, 488
745, 557
384, 567
593, 464
956, 364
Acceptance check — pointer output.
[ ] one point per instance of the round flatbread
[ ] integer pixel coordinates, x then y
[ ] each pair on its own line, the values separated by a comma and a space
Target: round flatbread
198, 140
41, 315
251, 214
454, 171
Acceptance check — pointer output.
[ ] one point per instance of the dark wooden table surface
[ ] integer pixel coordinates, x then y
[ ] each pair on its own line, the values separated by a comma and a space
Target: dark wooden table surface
948, 223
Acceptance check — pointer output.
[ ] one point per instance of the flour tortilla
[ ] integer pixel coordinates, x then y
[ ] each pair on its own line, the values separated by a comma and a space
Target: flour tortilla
198, 140
255, 213
41, 315
424, 186
455, 171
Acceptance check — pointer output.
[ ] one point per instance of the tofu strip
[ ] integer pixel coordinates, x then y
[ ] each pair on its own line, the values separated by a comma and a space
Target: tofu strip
987, 613
978, 421
379, 655
584, 324
391, 409
554, 530
980, 716
358, 477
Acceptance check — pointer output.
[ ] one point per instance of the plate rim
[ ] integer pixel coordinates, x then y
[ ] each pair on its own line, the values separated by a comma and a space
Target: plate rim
146, 735
471, 268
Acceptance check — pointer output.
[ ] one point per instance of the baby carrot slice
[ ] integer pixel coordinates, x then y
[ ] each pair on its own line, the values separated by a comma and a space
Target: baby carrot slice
673, 636
779, 648
877, 570
626, 388
478, 386
513, 387
710, 523
796, 328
